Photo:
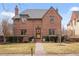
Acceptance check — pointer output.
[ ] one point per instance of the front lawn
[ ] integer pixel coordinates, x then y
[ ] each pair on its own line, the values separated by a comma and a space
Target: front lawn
17, 48
64, 48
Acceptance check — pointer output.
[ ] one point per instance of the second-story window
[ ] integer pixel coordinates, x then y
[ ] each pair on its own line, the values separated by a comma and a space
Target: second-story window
52, 18
23, 31
23, 19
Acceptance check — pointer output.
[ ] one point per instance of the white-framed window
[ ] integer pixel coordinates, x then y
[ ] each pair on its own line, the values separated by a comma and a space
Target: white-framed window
52, 18
23, 19
23, 31
51, 31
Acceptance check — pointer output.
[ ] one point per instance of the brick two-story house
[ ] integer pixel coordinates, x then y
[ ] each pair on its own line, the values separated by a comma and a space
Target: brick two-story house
36, 23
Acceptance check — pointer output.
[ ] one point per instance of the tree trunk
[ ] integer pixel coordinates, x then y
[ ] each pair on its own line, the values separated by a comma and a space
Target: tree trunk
4, 39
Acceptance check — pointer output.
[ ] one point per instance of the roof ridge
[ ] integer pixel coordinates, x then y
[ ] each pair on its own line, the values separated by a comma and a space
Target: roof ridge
27, 9
31, 9
34, 13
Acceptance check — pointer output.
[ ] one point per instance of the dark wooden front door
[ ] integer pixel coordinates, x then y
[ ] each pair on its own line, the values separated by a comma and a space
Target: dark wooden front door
38, 33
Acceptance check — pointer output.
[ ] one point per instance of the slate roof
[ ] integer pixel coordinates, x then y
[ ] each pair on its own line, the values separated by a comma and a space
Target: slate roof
34, 13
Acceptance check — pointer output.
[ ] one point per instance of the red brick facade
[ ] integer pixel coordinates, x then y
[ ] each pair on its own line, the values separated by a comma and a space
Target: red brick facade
43, 23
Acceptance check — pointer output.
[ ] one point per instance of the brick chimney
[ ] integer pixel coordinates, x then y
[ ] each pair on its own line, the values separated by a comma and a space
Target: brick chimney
16, 10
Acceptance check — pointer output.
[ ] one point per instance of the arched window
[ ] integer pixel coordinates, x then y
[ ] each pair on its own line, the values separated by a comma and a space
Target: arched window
23, 19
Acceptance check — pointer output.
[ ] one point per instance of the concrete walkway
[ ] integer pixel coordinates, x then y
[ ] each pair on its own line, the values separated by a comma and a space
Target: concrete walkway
39, 50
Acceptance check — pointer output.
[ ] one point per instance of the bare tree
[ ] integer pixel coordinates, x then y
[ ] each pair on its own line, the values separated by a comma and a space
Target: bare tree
5, 29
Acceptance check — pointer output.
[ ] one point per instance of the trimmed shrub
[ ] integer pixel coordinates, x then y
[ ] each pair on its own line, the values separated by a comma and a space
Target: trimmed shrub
46, 38
52, 39
30, 38
14, 39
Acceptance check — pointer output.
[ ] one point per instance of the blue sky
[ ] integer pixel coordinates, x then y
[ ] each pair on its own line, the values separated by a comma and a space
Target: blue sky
64, 9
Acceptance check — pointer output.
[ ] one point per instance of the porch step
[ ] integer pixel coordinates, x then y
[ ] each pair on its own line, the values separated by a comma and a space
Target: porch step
38, 40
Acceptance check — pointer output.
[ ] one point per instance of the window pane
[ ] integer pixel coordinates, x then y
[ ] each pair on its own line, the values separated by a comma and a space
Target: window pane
52, 18
51, 31
23, 32
23, 20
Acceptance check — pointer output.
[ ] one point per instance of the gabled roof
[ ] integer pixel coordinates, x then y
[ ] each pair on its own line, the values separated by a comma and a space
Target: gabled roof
54, 11
73, 12
35, 13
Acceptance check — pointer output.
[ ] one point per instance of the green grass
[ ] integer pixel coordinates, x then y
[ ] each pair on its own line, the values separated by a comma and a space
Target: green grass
17, 48
56, 48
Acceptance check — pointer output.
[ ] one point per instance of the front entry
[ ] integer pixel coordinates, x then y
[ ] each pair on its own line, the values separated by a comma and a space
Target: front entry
38, 34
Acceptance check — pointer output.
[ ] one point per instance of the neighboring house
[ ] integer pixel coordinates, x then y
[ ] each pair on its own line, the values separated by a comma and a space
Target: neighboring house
73, 26
36, 23
70, 30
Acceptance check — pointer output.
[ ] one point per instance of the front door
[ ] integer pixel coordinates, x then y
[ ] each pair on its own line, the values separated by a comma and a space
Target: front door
38, 33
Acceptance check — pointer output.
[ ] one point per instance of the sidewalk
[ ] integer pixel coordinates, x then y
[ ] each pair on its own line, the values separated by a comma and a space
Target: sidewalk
39, 50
